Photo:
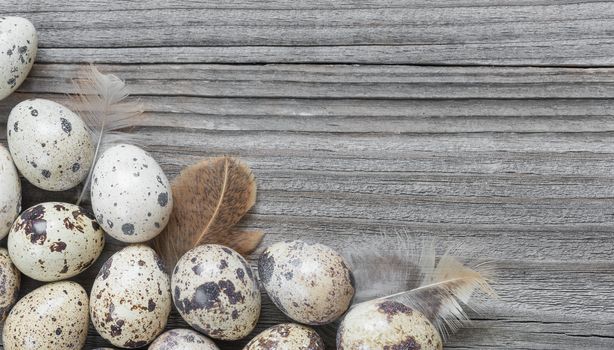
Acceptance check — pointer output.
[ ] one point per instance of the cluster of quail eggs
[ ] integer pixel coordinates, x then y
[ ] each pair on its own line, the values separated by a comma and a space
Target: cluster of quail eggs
213, 287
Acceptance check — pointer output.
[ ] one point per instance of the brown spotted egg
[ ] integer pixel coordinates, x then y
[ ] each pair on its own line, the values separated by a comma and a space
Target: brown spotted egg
182, 339
386, 325
310, 283
54, 241
18, 45
10, 192
131, 299
10, 279
286, 336
51, 317
51, 146
216, 293
131, 196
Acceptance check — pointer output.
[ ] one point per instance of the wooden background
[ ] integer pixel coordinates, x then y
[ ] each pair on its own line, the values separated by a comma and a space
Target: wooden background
482, 123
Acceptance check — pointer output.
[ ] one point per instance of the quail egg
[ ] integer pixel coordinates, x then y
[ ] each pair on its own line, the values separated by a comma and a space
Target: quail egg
182, 339
10, 279
286, 336
131, 196
131, 299
51, 146
54, 241
310, 283
216, 293
51, 317
10, 192
18, 44
386, 325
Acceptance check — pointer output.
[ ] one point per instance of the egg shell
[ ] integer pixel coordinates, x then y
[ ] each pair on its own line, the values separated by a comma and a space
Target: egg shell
50, 317
387, 325
182, 339
131, 299
10, 192
131, 196
54, 241
10, 280
18, 45
51, 146
216, 293
310, 283
286, 336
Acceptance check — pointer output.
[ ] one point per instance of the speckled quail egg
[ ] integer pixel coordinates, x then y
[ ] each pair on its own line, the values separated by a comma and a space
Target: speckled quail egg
310, 283
51, 146
10, 192
131, 298
286, 336
216, 293
10, 280
54, 241
131, 196
51, 317
18, 45
182, 339
386, 325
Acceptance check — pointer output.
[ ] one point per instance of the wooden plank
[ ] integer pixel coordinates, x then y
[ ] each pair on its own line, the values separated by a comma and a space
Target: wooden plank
509, 165
471, 32
342, 98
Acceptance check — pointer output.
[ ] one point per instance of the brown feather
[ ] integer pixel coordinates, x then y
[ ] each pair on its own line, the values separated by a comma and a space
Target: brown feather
210, 198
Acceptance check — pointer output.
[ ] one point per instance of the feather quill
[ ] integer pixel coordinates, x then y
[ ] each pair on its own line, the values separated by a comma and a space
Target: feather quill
210, 198
100, 102
412, 275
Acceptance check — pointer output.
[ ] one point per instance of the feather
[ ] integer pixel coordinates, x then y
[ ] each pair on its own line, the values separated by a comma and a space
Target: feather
411, 275
444, 294
400, 269
210, 198
99, 101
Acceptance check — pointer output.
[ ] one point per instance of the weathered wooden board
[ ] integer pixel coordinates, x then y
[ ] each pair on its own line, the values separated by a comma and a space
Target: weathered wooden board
500, 32
437, 136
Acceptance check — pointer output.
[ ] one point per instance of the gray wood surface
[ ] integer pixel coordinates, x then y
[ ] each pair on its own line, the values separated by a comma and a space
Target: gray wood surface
486, 124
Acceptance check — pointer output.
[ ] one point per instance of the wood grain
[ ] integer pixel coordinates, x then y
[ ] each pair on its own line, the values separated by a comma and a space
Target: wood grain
487, 125
500, 32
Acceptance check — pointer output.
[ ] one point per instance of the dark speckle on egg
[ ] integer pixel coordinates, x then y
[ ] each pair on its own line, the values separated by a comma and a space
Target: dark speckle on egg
128, 229
66, 125
163, 199
266, 267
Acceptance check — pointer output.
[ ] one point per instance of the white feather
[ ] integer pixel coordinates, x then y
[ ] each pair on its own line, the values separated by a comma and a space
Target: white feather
99, 102
410, 274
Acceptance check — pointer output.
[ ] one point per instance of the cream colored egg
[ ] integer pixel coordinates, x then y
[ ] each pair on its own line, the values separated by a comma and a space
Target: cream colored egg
51, 146
182, 339
10, 280
10, 192
51, 317
286, 336
310, 283
131, 300
18, 45
216, 293
54, 241
131, 196
387, 325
